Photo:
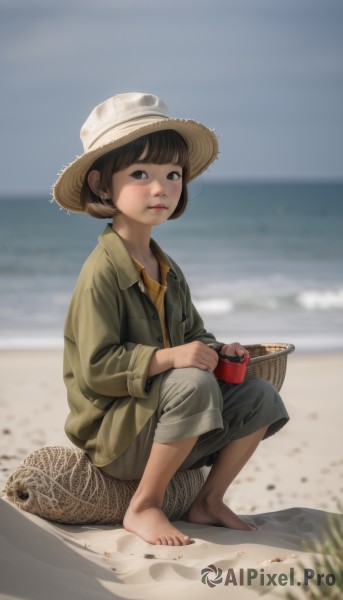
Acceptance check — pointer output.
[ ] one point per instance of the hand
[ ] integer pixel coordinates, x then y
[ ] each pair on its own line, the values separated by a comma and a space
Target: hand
234, 349
195, 354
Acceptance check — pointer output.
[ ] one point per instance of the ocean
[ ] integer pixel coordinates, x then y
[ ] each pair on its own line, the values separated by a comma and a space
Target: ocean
264, 262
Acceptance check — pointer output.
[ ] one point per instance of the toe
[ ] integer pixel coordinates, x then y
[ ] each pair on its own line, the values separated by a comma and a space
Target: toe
178, 541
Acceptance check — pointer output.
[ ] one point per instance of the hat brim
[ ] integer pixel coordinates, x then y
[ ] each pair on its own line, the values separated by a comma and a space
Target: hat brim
202, 146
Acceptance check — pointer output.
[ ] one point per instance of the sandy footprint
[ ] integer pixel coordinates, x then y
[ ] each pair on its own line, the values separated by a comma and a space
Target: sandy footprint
130, 544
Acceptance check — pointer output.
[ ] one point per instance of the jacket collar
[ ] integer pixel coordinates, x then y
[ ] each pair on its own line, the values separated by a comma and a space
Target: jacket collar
126, 271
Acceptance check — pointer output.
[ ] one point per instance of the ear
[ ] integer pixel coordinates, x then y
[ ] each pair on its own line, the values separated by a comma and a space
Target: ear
93, 181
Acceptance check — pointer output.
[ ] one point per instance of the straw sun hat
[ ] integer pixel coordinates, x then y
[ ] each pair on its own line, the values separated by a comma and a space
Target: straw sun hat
120, 120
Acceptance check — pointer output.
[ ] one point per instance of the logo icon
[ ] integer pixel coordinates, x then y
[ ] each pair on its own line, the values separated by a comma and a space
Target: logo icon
211, 576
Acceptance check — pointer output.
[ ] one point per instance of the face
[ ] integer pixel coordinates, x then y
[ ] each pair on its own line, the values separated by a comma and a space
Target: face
147, 194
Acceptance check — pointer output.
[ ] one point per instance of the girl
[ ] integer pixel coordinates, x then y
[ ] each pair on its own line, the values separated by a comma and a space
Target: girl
138, 363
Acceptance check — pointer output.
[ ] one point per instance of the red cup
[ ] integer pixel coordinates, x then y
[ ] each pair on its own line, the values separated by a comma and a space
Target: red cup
231, 372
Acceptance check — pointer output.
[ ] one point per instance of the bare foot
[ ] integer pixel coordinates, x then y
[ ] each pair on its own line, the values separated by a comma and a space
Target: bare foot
151, 524
216, 513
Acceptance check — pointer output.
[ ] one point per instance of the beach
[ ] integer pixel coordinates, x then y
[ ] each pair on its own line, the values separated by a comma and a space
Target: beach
289, 488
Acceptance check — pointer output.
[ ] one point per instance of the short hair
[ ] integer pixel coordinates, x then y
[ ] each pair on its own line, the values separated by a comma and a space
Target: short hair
159, 147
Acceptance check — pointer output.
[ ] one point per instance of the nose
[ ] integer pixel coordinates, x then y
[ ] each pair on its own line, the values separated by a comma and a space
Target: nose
157, 188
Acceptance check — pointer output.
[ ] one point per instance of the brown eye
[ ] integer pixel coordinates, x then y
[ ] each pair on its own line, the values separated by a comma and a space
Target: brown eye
139, 175
174, 175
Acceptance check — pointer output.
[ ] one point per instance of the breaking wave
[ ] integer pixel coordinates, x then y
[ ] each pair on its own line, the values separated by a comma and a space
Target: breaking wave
321, 300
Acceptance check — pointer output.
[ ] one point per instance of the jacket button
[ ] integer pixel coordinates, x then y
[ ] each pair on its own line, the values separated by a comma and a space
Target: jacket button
148, 385
160, 339
155, 316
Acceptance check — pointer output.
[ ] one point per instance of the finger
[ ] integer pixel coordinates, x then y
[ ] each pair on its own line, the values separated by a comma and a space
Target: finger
211, 358
206, 363
211, 365
211, 354
239, 349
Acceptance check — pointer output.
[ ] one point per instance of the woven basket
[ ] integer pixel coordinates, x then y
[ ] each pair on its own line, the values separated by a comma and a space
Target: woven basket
269, 362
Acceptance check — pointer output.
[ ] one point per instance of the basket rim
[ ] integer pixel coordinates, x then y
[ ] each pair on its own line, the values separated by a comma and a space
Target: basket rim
285, 349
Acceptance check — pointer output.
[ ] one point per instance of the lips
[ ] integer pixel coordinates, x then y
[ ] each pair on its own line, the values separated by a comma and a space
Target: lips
158, 206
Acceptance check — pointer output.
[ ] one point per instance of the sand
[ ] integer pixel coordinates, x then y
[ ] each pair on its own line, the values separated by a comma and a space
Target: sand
289, 488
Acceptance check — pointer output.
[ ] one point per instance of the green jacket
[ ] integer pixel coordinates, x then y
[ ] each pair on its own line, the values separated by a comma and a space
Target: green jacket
111, 332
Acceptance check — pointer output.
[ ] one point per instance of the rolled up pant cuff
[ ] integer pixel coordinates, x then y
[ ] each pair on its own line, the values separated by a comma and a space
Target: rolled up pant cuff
189, 427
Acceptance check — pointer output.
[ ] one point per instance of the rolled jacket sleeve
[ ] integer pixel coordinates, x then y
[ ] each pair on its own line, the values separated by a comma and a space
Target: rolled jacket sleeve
109, 366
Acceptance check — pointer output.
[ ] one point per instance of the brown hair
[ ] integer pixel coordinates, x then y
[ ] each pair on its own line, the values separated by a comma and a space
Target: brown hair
160, 147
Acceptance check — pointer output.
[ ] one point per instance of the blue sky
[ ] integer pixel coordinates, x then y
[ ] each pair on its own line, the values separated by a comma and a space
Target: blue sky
266, 74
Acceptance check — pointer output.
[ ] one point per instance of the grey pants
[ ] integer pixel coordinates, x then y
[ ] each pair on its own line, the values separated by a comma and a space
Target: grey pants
194, 403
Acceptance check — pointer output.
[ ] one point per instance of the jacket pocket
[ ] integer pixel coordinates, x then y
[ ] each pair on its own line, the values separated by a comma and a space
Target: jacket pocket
141, 331
178, 329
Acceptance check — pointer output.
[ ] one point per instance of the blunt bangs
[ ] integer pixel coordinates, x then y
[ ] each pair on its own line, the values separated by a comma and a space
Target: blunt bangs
160, 147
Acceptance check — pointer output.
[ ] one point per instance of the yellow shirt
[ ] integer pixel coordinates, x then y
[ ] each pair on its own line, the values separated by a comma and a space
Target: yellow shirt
156, 292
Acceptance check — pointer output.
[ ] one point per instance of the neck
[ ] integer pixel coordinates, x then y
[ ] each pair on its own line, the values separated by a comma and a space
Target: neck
136, 238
